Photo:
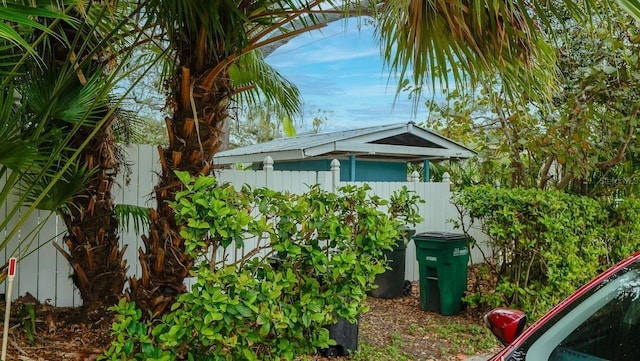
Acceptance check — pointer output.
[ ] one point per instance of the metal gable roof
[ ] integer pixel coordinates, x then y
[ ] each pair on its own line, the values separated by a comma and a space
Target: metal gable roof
404, 141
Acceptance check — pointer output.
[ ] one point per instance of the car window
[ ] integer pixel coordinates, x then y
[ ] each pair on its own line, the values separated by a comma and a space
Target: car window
611, 333
605, 325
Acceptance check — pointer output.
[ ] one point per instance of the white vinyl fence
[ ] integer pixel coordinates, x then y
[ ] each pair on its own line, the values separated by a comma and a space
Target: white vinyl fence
46, 275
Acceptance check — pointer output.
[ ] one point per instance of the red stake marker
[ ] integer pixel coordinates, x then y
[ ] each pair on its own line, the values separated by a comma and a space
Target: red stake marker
10, 276
12, 266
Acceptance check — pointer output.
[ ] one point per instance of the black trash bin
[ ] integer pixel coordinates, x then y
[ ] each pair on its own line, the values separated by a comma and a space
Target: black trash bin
345, 334
442, 258
391, 283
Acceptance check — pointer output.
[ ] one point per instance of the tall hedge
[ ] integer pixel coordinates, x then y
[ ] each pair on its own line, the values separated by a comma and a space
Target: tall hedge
623, 228
545, 244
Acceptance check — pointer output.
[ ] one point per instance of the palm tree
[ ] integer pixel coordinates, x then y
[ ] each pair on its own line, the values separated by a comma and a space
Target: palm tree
214, 61
31, 152
93, 248
209, 39
66, 106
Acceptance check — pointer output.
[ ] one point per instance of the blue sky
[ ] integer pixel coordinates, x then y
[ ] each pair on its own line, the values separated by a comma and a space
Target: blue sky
339, 69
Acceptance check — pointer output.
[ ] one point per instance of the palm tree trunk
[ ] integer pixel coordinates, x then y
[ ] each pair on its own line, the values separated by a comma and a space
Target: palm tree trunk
93, 250
99, 270
194, 137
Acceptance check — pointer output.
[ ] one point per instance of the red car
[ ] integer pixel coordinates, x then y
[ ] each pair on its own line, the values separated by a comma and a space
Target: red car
600, 321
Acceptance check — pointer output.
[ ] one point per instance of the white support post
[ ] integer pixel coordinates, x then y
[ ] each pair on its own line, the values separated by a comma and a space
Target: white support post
415, 177
268, 172
335, 175
446, 178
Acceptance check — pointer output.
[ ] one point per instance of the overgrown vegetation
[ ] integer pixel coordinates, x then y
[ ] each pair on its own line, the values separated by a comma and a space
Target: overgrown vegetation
581, 140
273, 270
545, 244
575, 151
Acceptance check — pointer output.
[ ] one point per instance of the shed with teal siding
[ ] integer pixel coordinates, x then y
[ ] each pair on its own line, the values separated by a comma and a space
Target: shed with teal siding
378, 153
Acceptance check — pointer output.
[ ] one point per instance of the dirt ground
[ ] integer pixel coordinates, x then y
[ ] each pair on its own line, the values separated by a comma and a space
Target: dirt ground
65, 333
421, 335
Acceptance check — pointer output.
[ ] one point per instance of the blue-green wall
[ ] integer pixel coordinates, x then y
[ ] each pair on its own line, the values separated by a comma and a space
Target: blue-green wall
370, 171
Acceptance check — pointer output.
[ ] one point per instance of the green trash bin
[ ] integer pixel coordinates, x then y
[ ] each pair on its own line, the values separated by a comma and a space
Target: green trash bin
442, 258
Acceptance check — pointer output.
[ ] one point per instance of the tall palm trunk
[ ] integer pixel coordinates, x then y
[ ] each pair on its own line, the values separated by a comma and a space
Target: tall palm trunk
93, 250
208, 37
99, 270
199, 113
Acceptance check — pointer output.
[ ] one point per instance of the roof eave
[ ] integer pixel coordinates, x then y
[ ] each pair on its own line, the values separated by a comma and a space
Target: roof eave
280, 156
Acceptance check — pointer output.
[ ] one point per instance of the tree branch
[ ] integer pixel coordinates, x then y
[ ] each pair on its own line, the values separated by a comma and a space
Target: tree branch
622, 149
544, 173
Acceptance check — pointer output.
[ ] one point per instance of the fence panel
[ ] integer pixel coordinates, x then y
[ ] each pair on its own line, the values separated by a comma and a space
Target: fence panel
136, 188
45, 273
27, 271
48, 259
42, 271
436, 212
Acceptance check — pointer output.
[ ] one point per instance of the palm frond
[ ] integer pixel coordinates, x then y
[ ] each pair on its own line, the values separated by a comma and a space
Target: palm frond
438, 42
15, 15
127, 127
60, 194
72, 106
259, 83
136, 216
15, 152
630, 6
67, 101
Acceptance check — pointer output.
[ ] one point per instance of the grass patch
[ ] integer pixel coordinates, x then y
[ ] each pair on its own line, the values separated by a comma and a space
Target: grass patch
391, 352
465, 338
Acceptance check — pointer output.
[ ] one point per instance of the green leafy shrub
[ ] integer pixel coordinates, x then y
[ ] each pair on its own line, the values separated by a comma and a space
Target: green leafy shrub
132, 337
273, 270
623, 228
545, 244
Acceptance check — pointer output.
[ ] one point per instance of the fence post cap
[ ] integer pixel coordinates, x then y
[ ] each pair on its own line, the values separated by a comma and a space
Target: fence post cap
268, 163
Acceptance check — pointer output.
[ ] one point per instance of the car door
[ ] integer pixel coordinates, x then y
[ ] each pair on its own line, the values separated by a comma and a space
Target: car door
602, 324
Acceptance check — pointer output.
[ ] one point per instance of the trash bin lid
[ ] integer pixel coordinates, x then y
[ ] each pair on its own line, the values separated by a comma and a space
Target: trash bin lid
445, 236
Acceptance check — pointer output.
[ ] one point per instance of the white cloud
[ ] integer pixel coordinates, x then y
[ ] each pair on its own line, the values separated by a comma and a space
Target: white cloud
342, 72
284, 58
335, 42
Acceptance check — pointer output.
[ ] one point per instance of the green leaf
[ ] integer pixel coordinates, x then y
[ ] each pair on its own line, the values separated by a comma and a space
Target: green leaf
262, 319
608, 69
212, 317
207, 332
148, 348
318, 317
203, 182
265, 328
158, 330
128, 347
306, 320
184, 177
288, 128
249, 355
174, 330
243, 310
